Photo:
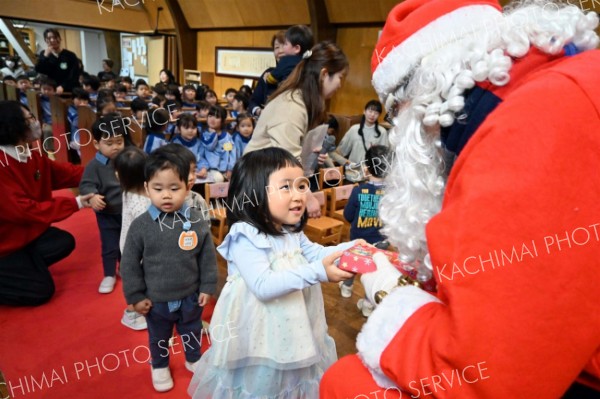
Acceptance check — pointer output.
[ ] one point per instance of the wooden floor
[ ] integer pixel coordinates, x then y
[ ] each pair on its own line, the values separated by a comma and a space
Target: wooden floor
343, 317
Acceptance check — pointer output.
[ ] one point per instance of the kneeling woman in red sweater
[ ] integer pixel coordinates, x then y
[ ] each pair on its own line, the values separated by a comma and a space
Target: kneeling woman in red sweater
29, 243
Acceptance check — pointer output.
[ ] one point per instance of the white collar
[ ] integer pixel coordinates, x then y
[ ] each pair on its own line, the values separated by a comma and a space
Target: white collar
22, 155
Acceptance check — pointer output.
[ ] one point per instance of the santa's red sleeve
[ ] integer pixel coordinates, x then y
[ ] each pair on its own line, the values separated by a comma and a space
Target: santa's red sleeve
515, 251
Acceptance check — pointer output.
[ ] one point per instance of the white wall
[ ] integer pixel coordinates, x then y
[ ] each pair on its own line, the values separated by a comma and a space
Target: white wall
93, 50
93, 45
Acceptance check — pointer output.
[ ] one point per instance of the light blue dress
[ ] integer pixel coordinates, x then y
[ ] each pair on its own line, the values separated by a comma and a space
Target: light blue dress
275, 344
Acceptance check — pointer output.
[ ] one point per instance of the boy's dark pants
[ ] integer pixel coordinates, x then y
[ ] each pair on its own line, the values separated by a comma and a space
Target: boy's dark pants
110, 233
160, 328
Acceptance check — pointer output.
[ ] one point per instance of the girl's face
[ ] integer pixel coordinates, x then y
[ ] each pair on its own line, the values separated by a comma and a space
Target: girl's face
189, 132
330, 83
211, 99
371, 116
214, 122
190, 95
164, 77
245, 127
287, 195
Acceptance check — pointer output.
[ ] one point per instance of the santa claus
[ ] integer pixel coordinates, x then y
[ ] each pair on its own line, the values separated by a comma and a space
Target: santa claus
495, 193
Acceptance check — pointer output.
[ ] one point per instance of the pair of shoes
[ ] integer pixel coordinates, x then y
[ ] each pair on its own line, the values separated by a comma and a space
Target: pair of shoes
345, 290
192, 366
365, 307
134, 320
161, 379
107, 285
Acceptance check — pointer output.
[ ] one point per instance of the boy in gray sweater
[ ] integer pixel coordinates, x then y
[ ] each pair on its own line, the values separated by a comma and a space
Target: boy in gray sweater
99, 178
179, 269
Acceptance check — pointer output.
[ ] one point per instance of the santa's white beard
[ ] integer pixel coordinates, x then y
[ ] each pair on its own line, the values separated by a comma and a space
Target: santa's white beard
414, 186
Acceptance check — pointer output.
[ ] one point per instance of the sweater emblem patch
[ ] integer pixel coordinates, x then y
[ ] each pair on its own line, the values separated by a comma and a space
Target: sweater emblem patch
63, 66
188, 240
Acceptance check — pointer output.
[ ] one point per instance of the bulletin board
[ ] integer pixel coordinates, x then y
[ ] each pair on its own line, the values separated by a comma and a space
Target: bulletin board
135, 52
244, 62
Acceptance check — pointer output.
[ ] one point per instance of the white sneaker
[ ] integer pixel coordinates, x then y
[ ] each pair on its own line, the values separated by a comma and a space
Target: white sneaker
345, 290
365, 307
192, 366
134, 320
161, 379
107, 285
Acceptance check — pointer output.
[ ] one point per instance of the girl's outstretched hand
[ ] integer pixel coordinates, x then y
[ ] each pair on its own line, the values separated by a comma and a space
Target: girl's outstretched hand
335, 274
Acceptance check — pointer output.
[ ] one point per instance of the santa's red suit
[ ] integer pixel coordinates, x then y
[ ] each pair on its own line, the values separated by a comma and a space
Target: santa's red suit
515, 252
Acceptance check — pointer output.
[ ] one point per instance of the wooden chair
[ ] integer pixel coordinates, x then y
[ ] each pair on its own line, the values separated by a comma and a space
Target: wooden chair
331, 177
337, 198
214, 194
324, 230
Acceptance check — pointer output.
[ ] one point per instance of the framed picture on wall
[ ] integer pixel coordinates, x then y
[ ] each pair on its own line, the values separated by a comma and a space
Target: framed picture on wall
243, 62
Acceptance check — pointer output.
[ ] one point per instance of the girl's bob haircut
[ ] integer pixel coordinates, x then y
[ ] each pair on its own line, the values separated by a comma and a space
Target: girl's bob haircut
248, 196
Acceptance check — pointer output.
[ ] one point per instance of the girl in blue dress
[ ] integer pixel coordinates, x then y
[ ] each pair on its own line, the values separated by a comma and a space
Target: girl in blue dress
277, 344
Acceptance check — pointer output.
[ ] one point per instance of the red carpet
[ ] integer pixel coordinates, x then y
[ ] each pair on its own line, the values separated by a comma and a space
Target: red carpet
75, 346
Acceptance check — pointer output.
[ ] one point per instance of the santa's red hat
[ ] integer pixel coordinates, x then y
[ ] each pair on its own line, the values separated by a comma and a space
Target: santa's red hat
416, 28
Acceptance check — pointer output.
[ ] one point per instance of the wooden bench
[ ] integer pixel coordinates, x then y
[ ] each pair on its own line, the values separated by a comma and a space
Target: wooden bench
12, 93
86, 118
60, 126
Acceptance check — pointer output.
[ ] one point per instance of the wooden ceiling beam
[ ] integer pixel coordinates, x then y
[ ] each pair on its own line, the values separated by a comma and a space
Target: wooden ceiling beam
320, 24
186, 39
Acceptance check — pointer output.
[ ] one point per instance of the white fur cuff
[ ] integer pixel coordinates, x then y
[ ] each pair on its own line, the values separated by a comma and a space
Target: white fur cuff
383, 325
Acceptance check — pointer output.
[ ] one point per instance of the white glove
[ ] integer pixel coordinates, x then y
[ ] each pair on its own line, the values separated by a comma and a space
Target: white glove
385, 278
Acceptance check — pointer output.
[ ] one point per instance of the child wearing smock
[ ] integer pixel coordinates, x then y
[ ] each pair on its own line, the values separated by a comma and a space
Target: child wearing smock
276, 344
241, 137
156, 126
217, 155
